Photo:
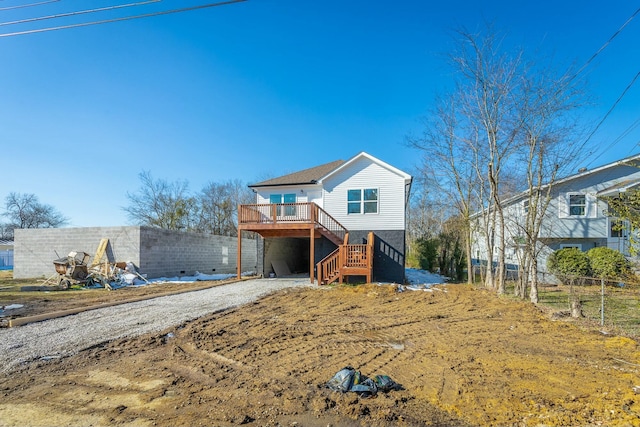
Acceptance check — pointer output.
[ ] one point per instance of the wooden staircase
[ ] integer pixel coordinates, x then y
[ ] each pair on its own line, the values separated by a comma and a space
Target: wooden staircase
309, 220
347, 260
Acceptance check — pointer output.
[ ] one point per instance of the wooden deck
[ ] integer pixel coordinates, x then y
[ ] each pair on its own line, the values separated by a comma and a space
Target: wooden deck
308, 220
290, 220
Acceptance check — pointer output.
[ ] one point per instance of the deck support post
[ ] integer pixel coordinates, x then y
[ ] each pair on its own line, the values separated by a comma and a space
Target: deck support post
239, 254
312, 253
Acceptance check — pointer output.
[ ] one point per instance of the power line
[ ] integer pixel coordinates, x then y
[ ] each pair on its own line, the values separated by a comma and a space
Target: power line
608, 42
79, 12
624, 92
27, 5
586, 64
125, 18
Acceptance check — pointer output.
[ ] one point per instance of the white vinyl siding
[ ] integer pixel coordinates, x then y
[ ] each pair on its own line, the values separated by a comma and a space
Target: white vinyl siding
364, 174
290, 194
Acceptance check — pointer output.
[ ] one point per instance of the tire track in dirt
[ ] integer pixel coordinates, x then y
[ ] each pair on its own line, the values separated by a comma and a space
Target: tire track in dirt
464, 357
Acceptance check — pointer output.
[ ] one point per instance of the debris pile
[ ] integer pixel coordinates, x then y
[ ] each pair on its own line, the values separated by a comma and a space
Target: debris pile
74, 269
349, 380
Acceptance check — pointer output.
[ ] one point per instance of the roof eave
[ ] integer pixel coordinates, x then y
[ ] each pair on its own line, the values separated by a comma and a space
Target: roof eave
288, 184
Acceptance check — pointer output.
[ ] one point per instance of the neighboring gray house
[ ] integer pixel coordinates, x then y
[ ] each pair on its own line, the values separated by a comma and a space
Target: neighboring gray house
576, 215
155, 252
353, 211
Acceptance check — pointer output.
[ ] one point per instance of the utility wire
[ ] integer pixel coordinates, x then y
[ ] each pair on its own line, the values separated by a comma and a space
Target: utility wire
608, 113
27, 5
586, 64
79, 12
125, 18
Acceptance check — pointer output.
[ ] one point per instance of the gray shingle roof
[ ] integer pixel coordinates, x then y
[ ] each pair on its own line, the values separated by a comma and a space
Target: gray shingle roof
618, 188
306, 176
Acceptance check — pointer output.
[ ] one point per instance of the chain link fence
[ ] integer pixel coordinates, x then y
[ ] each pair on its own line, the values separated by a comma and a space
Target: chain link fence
613, 305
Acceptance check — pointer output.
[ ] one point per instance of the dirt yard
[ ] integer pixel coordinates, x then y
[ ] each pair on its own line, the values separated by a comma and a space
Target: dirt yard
463, 356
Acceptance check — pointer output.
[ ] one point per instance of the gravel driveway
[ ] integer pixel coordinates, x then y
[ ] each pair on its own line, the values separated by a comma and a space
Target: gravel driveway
65, 336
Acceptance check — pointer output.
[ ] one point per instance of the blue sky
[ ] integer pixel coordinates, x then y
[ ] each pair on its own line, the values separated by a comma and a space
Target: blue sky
263, 88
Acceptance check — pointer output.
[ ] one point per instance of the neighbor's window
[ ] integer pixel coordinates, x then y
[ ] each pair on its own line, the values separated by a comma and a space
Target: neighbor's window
362, 201
525, 206
577, 205
571, 245
616, 228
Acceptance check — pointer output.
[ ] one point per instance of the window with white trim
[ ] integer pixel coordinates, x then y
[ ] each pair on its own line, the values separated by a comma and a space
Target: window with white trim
362, 201
577, 205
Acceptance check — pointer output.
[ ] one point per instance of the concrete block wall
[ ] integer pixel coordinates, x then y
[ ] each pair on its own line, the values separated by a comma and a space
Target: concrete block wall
170, 253
36, 249
154, 251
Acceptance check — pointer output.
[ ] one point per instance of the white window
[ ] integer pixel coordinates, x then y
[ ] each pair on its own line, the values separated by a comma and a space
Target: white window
362, 201
525, 206
577, 204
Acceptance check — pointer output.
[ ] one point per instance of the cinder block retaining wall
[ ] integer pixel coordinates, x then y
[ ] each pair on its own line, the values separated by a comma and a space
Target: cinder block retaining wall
154, 251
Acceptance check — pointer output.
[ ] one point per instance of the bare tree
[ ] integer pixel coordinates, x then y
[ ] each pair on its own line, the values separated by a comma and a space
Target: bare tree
503, 113
472, 137
450, 165
549, 149
26, 211
6, 232
159, 203
490, 104
218, 207
428, 208
427, 212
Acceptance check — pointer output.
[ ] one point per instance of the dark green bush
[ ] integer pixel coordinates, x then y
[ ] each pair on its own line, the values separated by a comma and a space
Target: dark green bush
427, 253
607, 263
568, 264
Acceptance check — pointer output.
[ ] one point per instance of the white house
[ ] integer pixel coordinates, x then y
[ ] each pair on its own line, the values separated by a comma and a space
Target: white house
577, 215
349, 204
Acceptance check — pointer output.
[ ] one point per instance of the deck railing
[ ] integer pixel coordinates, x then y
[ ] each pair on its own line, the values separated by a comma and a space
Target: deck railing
288, 213
356, 255
347, 260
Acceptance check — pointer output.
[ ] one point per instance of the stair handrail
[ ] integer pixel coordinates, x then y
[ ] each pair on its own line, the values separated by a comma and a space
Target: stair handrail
328, 267
326, 221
